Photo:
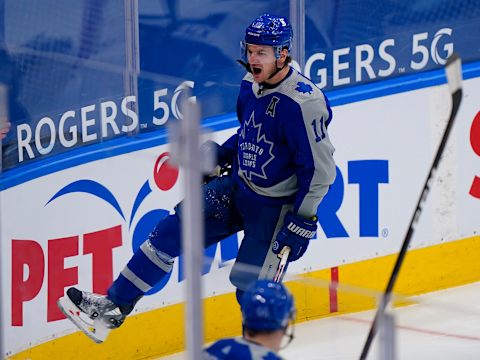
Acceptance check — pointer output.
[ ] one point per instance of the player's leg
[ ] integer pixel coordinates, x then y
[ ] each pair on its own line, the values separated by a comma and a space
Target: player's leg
255, 260
154, 260
150, 264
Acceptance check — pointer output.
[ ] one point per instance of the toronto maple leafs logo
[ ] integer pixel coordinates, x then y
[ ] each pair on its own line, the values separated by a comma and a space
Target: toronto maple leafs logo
255, 150
303, 88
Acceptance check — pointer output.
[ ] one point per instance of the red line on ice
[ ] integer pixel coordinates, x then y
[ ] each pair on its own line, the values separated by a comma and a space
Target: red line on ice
423, 331
333, 289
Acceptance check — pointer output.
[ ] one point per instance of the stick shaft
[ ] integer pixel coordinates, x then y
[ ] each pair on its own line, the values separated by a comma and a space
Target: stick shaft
454, 82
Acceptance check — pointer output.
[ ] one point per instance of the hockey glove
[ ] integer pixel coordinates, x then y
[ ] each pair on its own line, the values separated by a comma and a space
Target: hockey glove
211, 148
296, 233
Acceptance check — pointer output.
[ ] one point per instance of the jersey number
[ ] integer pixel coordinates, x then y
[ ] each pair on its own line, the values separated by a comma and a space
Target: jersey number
316, 128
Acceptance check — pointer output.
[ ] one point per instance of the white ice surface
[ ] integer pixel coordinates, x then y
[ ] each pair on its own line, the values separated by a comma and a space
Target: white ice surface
443, 325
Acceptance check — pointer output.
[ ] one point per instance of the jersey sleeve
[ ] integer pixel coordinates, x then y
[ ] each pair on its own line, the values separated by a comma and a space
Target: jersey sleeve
227, 151
313, 154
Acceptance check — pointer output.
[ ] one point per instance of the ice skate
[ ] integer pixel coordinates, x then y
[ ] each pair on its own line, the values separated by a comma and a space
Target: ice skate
94, 314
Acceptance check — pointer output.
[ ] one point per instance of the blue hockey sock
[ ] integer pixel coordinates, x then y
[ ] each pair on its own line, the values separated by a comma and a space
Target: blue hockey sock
149, 264
144, 270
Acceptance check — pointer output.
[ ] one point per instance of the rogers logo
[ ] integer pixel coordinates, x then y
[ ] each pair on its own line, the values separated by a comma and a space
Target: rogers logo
369, 61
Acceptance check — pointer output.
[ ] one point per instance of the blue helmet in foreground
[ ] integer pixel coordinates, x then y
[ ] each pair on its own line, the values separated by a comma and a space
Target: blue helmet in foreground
267, 306
268, 30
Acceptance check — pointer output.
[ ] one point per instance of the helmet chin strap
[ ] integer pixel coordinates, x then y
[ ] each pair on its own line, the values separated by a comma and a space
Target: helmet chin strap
289, 333
277, 69
245, 65
263, 84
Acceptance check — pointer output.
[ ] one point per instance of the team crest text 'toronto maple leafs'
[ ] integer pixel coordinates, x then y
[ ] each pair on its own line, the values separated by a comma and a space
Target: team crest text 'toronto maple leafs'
256, 150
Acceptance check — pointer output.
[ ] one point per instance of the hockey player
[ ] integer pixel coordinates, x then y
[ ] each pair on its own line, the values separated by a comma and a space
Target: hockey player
282, 166
267, 312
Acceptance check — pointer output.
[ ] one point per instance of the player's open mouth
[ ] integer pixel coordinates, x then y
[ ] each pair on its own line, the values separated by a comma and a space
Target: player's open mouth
256, 70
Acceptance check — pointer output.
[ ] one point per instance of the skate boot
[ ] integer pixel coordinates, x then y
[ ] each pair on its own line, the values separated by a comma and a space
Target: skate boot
94, 314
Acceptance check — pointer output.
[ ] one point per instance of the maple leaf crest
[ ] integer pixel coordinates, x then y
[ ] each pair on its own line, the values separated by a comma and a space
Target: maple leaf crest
252, 133
303, 88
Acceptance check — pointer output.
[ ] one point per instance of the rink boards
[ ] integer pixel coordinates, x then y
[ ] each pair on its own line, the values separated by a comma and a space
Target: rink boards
80, 224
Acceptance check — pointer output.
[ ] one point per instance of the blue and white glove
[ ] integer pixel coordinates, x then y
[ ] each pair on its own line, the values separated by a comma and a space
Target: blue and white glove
296, 233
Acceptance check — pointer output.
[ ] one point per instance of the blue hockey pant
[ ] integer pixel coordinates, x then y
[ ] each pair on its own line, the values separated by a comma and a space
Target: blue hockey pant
227, 210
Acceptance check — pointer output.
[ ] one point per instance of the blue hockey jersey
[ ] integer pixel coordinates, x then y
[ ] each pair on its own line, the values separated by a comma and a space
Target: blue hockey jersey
282, 151
238, 349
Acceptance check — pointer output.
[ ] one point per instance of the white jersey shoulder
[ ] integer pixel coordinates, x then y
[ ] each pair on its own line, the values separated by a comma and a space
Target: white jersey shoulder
300, 89
248, 77
296, 86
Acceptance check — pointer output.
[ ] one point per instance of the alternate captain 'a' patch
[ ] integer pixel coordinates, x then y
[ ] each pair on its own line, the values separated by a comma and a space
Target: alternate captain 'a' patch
271, 107
303, 88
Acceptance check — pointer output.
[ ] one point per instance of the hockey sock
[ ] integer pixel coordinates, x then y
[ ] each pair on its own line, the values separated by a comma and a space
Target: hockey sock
146, 268
149, 264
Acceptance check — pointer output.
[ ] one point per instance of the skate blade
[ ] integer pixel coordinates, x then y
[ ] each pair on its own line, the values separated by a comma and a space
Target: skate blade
94, 329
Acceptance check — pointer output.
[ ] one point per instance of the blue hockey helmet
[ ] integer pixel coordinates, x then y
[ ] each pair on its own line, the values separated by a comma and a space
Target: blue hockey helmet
267, 306
268, 30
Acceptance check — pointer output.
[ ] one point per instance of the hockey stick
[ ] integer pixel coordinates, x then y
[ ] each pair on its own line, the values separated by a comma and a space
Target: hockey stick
283, 263
453, 71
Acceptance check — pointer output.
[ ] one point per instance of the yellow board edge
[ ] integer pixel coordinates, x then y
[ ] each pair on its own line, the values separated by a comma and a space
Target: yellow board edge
161, 332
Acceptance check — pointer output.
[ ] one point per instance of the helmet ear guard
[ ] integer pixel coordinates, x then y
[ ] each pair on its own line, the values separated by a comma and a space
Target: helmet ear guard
246, 65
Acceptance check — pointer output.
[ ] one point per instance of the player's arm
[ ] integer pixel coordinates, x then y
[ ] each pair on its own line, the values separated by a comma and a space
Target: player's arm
225, 153
315, 167
315, 170
228, 150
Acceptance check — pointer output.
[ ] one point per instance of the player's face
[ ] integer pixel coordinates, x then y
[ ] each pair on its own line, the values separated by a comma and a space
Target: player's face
262, 61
